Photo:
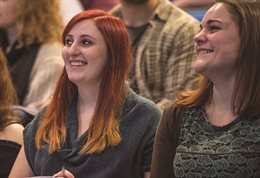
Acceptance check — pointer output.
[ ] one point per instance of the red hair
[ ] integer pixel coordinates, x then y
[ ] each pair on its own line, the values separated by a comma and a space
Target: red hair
104, 127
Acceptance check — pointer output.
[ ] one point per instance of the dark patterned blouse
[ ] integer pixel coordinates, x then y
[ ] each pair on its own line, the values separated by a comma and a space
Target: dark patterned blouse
209, 151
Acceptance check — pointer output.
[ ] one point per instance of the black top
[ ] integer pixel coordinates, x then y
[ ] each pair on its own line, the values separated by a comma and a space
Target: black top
135, 34
130, 159
8, 153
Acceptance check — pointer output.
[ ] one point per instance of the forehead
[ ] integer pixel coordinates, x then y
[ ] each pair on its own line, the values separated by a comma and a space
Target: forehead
85, 27
218, 11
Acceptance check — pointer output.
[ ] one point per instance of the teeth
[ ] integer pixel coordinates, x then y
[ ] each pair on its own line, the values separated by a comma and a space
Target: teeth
205, 51
77, 63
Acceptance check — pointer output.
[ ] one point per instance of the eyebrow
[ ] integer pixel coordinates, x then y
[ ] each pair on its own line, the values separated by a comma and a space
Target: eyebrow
213, 21
210, 22
82, 36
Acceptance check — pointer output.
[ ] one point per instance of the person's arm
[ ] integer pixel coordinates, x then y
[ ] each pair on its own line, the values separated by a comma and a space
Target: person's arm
151, 115
14, 133
163, 150
21, 168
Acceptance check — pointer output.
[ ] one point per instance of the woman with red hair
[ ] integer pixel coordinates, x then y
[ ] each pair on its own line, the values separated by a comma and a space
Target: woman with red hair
95, 125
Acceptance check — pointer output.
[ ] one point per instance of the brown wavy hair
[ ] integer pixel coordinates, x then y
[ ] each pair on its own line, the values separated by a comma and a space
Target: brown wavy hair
104, 127
8, 96
39, 21
246, 94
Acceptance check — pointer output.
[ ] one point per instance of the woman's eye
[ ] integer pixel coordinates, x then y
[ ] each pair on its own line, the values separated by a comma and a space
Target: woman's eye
86, 42
213, 28
68, 42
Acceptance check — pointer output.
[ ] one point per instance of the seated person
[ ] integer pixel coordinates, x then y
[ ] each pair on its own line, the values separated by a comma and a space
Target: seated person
95, 126
214, 130
30, 35
10, 129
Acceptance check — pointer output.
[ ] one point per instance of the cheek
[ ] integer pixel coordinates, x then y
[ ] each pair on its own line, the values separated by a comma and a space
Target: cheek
64, 55
229, 53
8, 18
12, 11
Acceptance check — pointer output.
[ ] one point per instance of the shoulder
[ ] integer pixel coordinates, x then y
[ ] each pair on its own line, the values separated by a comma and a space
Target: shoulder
13, 132
31, 128
140, 102
175, 15
180, 15
185, 113
183, 22
176, 20
140, 109
193, 115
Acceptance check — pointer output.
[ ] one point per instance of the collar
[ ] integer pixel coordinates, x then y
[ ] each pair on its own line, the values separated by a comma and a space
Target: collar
163, 10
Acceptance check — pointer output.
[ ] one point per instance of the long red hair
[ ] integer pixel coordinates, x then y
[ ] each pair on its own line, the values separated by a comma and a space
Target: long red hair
104, 127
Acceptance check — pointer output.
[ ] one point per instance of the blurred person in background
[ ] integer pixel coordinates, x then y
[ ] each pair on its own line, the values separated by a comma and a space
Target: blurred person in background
105, 5
69, 8
10, 128
162, 48
30, 36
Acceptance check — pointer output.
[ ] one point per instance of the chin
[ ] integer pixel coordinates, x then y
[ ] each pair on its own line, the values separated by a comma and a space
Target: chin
74, 79
199, 67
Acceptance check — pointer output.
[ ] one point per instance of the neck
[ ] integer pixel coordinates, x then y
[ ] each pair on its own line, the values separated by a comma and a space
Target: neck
220, 111
87, 100
136, 15
12, 37
88, 96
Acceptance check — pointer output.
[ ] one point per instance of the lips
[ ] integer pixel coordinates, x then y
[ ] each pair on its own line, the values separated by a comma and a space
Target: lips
204, 51
77, 63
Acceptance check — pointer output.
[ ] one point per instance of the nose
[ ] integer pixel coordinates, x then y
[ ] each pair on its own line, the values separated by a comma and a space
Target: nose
200, 37
74, 49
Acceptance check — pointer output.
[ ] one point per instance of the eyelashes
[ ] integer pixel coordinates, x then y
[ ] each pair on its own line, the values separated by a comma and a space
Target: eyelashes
82, 42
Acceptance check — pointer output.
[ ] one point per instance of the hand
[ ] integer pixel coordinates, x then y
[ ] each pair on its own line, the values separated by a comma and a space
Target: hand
64, 173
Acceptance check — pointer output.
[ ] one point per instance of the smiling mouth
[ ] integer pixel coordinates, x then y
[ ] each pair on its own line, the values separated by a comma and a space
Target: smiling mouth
78, 63
204, 51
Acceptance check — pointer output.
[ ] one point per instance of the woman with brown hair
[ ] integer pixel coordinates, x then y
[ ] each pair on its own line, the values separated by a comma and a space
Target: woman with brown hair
95, 125
30, 35
218, 125
10, 129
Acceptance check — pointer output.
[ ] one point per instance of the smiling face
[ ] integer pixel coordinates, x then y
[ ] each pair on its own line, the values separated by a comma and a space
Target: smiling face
217, 44
84, 53
8, 13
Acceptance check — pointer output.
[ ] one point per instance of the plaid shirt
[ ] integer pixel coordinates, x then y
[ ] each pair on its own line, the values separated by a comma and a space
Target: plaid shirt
165, 54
